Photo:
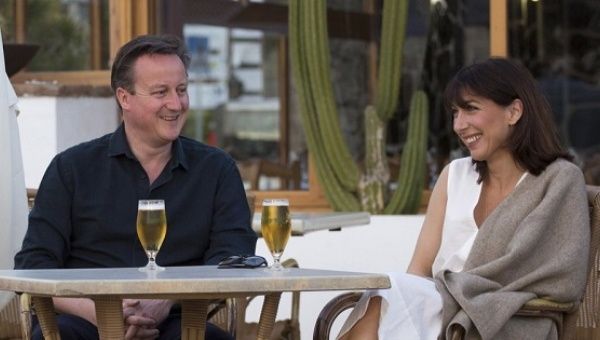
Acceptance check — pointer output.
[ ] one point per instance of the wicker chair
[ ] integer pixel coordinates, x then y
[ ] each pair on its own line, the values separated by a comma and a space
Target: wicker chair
573, 320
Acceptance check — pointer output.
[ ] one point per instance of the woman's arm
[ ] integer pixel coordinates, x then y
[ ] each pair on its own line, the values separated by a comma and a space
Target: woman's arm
430, 237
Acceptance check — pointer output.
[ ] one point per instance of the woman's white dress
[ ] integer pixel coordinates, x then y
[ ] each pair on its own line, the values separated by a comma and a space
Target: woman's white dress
412, 307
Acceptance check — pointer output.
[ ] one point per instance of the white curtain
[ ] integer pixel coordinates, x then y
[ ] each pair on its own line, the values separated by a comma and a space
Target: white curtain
13, 198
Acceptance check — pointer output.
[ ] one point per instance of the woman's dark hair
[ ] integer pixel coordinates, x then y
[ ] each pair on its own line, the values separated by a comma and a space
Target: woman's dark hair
534, 141
122, 67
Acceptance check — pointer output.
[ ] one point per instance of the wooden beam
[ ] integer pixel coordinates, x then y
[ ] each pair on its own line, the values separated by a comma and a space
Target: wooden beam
120, 26
96, 35
140, 16
498, 28
96, 78
20, 21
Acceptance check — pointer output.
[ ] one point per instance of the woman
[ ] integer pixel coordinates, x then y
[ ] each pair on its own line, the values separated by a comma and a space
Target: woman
507, 224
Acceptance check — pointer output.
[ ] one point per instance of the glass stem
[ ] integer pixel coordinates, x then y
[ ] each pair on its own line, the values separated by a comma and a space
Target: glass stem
276, 262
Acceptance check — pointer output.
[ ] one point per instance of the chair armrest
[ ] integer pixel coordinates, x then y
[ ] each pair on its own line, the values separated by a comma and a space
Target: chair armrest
538, 307
545, 308
331, 311
542, 304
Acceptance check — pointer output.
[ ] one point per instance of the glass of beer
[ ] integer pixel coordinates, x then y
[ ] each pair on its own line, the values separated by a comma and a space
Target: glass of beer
151, 230
276, 228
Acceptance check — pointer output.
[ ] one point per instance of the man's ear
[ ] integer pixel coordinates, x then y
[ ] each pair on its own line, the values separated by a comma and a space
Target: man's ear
123, 97
515, 111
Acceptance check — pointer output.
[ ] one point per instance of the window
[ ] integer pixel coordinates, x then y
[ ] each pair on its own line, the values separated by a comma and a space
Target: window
72, 35
559, 42
234, 100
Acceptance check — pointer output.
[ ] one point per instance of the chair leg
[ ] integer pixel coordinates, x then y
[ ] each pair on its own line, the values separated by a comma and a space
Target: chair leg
267, 316
295, 314
193, 318
44, 308
240, 321
295, 317
25, 306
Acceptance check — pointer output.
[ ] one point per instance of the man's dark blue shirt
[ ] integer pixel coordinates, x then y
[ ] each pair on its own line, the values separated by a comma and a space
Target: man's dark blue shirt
85, 210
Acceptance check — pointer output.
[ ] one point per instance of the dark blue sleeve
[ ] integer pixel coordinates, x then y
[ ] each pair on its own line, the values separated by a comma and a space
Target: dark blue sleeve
231, 232
46, 242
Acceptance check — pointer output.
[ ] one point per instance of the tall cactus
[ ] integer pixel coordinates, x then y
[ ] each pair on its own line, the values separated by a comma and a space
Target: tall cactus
344, 186
411, 179
337, 179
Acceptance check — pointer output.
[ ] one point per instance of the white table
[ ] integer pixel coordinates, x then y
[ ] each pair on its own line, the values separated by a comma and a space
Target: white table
193, 286
303, 223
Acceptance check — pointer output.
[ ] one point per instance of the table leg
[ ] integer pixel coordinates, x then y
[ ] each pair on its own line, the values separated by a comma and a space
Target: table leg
267, 316
44, 309
109, 316
193, 319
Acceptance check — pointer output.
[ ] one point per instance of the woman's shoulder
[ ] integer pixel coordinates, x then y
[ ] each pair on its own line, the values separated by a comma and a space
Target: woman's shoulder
563, 167
465, 163
564, 173
461, 167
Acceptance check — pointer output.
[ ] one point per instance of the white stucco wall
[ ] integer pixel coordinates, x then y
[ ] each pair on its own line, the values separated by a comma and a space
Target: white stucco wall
37, 131
48, 125
81, 119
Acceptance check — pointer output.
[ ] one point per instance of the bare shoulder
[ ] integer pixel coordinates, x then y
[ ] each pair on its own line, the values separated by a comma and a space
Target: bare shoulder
437, 203
441, 185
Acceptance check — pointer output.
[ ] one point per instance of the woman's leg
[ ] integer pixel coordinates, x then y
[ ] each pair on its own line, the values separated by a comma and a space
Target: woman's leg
366, 328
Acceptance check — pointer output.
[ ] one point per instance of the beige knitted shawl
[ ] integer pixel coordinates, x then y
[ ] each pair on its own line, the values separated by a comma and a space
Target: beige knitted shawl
534, 244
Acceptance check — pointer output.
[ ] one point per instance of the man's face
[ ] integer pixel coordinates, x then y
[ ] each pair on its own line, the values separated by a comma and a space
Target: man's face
155, 113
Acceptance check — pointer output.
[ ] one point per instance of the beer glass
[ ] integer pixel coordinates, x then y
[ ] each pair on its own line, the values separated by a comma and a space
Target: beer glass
276, 228
151, 230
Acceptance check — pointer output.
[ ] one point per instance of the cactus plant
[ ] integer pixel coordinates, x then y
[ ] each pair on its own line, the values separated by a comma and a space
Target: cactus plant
345, 187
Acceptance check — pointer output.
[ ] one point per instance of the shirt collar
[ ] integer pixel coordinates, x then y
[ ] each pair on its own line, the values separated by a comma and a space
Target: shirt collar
118, 145
177, 155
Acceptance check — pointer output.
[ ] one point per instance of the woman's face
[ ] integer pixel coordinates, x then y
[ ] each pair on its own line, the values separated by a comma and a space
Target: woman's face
484, 126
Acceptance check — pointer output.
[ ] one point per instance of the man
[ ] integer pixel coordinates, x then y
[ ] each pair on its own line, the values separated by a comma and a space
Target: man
85, 209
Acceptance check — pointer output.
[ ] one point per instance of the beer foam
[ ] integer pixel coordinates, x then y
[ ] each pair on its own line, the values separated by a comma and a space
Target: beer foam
275, 202
151, 204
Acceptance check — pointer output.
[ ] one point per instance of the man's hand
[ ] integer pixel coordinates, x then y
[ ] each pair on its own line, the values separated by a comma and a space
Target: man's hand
142, 317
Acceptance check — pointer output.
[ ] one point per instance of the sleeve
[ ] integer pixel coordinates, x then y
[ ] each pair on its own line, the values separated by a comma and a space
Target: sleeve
231, 230
46, 242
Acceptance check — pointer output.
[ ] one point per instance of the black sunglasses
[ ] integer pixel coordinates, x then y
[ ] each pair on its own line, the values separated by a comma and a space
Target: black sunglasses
244, 261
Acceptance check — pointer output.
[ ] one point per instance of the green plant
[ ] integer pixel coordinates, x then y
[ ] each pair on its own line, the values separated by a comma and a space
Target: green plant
346, 187
63, 44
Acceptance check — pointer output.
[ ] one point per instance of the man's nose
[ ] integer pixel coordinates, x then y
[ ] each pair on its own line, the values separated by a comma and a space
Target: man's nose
174, 101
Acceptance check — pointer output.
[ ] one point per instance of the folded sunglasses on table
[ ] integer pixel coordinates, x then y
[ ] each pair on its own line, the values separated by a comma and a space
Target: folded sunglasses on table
242, 261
